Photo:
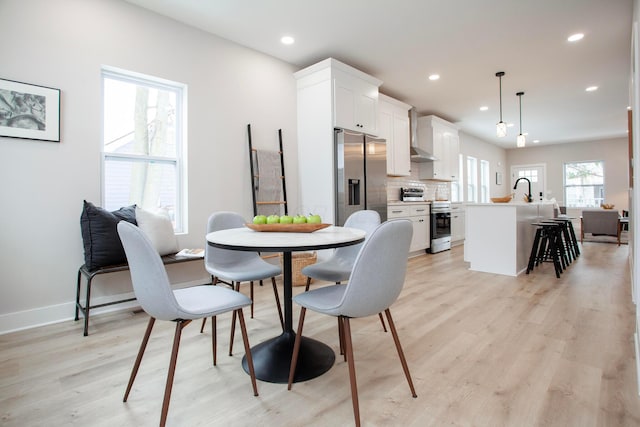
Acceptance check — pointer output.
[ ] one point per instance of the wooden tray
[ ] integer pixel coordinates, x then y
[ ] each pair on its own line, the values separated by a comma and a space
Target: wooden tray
287, 228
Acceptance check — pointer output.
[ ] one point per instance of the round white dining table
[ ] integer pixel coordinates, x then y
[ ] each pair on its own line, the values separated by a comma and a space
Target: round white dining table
272, 358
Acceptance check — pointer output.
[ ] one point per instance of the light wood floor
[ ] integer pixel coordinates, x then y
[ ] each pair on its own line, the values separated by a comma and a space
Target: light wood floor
484, 350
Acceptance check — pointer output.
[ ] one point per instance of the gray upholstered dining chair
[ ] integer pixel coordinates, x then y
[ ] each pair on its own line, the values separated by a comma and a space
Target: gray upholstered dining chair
237, 266
375, 283
338, 267
153, 291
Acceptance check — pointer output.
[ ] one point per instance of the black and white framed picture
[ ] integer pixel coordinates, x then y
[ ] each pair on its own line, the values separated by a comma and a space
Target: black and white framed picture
29, 111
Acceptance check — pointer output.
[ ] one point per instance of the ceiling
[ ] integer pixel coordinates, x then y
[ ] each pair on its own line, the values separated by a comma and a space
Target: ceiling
464, 41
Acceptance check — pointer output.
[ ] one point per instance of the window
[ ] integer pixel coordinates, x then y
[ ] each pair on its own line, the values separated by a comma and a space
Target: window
530, 174
457, 186
143, 144
485, 179
584, 184
472, 179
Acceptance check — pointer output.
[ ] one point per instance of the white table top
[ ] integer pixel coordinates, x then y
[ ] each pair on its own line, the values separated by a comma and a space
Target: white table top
247, 239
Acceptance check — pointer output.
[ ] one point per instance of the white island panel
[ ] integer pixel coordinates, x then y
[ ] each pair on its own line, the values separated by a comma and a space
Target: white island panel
499, 236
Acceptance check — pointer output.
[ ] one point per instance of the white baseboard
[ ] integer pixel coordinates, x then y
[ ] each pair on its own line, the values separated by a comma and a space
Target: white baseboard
41, 316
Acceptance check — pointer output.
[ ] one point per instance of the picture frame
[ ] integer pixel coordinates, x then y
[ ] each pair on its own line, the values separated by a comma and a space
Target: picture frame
29, 111
498, 178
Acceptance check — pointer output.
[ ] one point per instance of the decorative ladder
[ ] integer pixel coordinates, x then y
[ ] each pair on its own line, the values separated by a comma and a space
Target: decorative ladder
255, 176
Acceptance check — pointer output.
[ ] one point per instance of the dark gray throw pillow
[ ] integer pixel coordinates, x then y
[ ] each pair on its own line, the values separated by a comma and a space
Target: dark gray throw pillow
102, 246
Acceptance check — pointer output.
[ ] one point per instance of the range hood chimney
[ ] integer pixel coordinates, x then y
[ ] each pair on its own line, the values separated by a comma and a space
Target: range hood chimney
418, 155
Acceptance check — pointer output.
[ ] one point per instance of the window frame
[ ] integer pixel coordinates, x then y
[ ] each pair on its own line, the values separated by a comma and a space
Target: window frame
565, 186
179, 160
472, 180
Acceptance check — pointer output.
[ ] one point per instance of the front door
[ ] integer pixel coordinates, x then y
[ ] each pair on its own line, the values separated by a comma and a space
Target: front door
534, 173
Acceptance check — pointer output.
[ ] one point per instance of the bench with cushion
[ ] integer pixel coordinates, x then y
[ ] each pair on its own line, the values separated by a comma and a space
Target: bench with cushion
103, 251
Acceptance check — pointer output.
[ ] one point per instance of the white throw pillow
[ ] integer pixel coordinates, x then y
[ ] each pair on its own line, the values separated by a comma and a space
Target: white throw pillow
158, 228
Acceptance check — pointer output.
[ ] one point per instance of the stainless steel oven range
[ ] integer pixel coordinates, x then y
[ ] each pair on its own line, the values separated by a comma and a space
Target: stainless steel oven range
440, 226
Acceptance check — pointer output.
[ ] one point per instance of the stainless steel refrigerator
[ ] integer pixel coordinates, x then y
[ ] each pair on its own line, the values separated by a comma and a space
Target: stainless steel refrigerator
361, 174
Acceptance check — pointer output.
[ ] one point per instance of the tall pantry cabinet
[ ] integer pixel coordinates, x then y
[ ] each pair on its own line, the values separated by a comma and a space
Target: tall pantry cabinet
393, 126
440, 138
330, 95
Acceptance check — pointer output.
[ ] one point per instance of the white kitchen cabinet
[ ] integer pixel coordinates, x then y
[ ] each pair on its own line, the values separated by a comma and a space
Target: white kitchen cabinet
440, 138
393, 126
418, 214
355, 102
330, 94
457, 223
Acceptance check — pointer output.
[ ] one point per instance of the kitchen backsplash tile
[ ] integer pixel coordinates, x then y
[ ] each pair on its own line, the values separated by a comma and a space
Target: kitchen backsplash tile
433, 190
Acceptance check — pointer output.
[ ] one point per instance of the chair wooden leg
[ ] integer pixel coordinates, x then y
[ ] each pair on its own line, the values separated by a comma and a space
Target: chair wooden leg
180, 324
306, 288
382, 321
136, 365
247, 351
275, 292
233, 333
352, 369
403, 361
214, 340
296, 348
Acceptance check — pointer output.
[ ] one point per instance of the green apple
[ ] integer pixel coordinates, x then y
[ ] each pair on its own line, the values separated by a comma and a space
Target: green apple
286, 219
260, 219
314, 219
299, 219
273, 219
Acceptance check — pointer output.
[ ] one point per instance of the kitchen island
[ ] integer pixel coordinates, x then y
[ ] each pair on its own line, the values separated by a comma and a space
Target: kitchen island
499, 236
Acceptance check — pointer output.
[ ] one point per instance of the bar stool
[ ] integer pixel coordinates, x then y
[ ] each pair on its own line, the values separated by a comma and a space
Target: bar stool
547, 247
567, 241
572, 233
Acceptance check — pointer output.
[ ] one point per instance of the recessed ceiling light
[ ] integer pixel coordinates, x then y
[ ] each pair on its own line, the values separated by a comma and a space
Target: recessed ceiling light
484, 108
434, 77
509, 125
591, 88
575, 37
287, 40
535, 141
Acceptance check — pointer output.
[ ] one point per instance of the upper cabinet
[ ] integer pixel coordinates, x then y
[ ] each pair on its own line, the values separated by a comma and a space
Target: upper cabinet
356, 102
440, 138
393, 125
354, 94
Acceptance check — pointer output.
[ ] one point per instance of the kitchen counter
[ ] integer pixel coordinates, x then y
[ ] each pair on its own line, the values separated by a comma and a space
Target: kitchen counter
499, 236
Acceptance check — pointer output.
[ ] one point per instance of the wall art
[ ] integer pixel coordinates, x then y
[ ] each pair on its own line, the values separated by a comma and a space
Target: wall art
29, 111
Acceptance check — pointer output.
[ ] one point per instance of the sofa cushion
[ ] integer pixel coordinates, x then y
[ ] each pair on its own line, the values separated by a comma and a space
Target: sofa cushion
158, 228
102, 246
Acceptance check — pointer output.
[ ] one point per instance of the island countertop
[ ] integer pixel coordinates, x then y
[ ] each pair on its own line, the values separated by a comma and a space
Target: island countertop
499, 236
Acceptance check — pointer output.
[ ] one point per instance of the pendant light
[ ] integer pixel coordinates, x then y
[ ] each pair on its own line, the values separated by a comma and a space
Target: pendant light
521, 140
501, 127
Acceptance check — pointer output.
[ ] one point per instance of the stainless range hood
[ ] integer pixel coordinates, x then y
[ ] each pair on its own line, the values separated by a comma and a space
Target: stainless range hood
418, 155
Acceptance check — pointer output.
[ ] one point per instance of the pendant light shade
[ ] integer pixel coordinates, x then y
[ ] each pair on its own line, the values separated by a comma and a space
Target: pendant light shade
521, 140
501, 127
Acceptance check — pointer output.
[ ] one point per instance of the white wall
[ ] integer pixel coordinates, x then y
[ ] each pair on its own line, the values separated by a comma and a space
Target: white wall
614, 153
63, 44
496, 156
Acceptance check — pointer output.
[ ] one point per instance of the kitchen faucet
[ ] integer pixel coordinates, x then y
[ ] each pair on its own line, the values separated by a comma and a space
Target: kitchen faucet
529, 198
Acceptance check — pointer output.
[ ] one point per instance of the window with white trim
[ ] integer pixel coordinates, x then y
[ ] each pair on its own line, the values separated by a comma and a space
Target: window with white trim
472, 179
143, 144
485, 181
457, 185
584, 184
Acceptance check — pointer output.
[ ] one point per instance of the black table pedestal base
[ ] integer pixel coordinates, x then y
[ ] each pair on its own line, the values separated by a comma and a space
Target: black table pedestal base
272, 359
